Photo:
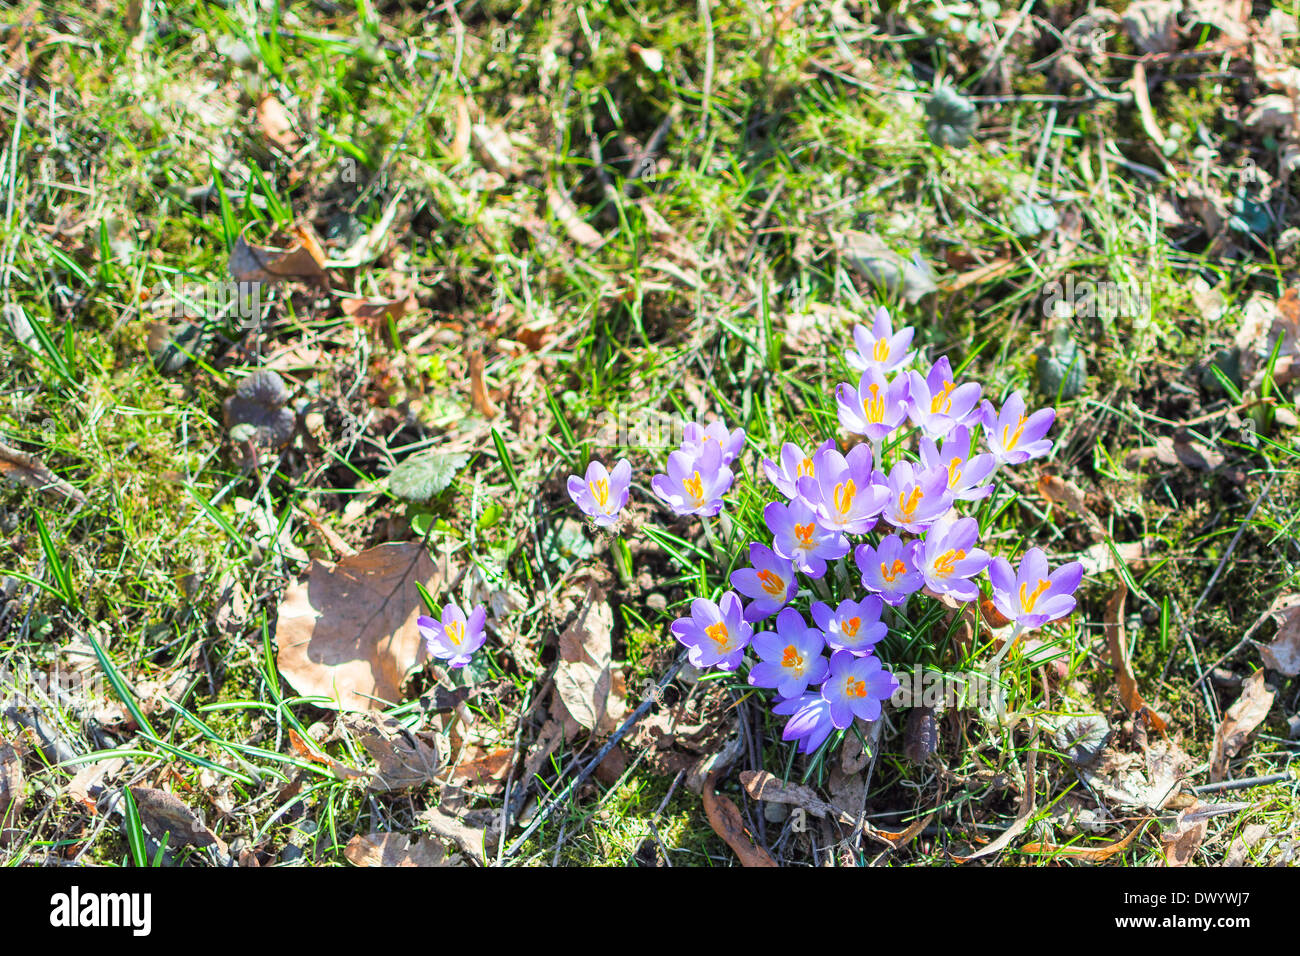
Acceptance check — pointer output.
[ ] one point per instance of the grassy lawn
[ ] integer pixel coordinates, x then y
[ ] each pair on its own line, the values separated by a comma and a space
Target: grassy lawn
534, 234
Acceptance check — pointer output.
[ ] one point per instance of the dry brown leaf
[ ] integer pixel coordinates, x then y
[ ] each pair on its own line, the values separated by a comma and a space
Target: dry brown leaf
1127, 683
579, 230
31, 471
276, 123
583, 675
162, 812
1185, 838
1239, 722
482, 769
372, 313
395, 849
724, 816
761, 785
404, 758
478, 392
86, 785
1093, 854
304, 259
1283, 655
447, 827
1061, 492
347, 631
1240, 850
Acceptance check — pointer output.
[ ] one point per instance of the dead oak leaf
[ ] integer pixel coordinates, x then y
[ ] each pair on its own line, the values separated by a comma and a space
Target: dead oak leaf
1239, 722
303, 259
405, 758
347, 632
395, 850
1283, 655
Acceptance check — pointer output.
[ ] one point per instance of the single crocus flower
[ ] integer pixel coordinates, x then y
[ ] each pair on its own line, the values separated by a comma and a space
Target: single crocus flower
949, 558
602, 494
876, 407
811, 721
880, 347
842, 490
695, 483
794, 464
855, 687
890, 569
456, 637
694, 437
791, 656
770, 583
716, 635
915, 497
938, 404
966, 474
1030, 596
854, 626
797, 535
1014, 437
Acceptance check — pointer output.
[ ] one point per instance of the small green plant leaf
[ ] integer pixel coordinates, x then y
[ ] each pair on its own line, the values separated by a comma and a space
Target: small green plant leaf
422, 476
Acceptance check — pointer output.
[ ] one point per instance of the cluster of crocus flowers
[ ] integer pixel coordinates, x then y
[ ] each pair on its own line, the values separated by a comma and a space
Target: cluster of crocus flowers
923, 445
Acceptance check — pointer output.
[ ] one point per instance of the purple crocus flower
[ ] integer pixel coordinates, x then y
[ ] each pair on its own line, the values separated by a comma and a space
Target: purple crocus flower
854, 626
876, 407
1031, 596
890, 569
881, 347
938, 404
794, 464
694, 437
791, 656
716, 635
811, 723
949, 558
694, 484
770, 583
1014, 437
602, 494
842, 491
965, 473
797, 535
855, 687
915, 497
455, 638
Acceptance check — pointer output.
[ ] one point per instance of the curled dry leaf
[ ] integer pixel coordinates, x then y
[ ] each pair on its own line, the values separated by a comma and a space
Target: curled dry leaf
1129, 695
1093, 854
478, 392
405, 758
761, 785
1283, 655
724, 816
395, 849
31, 471
161, 813
347, 631
303, 259
1239, 722
373, 313
1102, 556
